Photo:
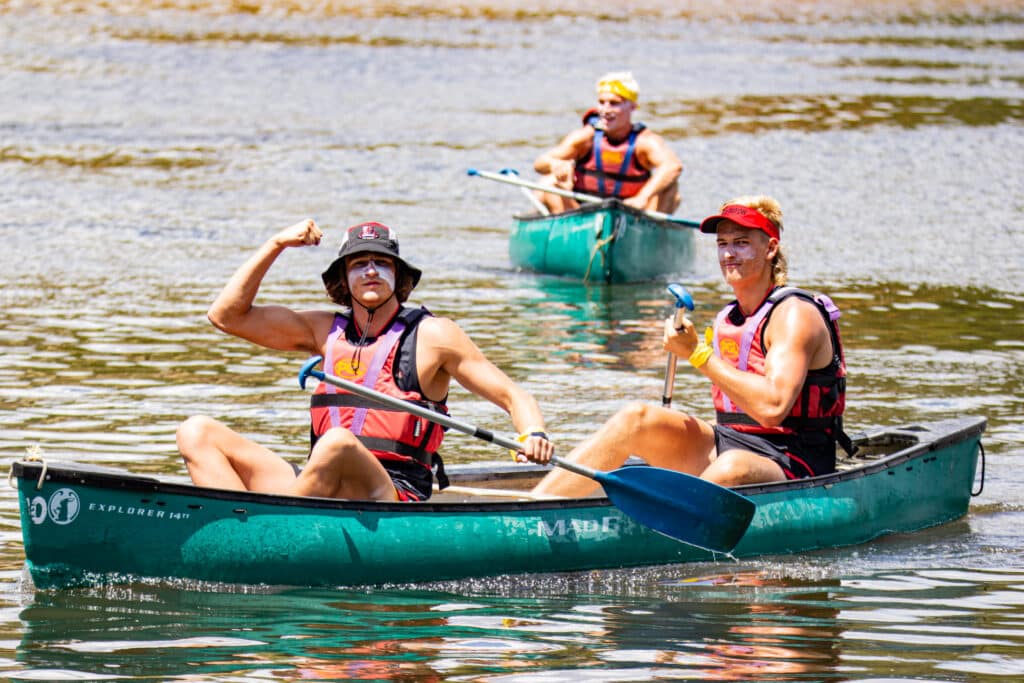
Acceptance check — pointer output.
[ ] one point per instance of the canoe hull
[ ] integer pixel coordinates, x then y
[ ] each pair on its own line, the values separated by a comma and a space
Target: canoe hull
607, 243
86, 525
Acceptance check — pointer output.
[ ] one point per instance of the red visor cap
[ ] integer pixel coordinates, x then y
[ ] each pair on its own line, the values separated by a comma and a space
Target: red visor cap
741, 215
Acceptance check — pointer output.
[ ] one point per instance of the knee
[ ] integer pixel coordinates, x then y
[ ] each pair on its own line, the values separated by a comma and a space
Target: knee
195, 431
733, 469
634, 415
333, 444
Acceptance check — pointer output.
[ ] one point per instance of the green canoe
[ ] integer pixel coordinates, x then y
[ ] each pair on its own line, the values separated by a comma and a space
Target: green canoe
85, 524
605, 242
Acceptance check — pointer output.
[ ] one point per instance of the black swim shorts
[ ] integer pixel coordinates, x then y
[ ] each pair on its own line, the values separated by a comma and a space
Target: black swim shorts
799, 455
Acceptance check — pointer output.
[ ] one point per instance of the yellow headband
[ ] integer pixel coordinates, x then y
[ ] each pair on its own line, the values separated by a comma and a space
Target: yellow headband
617, 87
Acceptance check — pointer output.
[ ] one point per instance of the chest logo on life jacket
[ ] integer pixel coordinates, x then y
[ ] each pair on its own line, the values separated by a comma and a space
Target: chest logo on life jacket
612, 156
729, 349
343, 368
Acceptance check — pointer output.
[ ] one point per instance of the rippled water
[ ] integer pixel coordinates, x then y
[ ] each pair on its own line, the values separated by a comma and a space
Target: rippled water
146, 148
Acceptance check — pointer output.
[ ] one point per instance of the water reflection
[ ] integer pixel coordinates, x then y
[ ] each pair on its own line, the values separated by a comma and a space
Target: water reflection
616, 327
742, 625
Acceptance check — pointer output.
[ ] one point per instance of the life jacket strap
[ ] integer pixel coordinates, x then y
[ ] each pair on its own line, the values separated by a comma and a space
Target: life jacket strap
354, 401
790, 424
833, 426
391, 446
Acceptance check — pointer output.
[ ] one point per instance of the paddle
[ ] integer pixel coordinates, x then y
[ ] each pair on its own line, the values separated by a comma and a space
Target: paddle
537, 204
505, 177
682, 299
680, 506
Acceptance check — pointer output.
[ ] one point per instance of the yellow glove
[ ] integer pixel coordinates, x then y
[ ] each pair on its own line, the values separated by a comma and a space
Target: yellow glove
704, 349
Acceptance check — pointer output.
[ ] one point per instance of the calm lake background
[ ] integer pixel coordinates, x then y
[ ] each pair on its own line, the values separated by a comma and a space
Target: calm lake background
148, 147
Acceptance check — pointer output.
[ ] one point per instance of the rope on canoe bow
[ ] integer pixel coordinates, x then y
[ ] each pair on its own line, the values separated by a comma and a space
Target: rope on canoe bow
593, 254
981, 484
32, 454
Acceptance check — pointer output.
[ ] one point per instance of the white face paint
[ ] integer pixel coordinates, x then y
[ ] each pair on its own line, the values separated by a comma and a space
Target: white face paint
736, 253
742, 252
368, 268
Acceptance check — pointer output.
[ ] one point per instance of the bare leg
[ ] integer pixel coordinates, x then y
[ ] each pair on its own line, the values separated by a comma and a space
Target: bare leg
219, 457
735, 467
556, 203
664, 438
342, 467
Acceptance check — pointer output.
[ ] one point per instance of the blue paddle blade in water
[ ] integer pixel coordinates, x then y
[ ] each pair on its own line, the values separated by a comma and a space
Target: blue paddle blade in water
681, 506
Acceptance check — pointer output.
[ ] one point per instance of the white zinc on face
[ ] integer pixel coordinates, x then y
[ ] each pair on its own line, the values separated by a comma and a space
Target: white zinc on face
366, 267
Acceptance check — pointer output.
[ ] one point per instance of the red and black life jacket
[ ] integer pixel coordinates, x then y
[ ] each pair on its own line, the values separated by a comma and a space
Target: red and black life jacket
611, 170
740, 342
387, 364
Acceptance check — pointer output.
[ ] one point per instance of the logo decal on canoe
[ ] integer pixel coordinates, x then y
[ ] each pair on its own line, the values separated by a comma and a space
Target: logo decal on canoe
605, 526
63, 507
37, 510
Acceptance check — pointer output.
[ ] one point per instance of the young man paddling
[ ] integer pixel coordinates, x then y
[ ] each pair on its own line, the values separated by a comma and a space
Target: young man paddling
610, 156
776, 365
360, 450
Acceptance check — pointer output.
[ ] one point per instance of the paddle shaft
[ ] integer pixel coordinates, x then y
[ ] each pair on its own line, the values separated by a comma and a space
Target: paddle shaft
682, 300
537, 203
578, 196
433, 416
670, 365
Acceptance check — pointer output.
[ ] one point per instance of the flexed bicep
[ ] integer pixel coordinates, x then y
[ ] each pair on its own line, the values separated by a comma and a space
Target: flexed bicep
282, 329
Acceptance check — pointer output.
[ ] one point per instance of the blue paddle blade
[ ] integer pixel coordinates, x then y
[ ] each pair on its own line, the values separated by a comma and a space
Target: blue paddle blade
686, 508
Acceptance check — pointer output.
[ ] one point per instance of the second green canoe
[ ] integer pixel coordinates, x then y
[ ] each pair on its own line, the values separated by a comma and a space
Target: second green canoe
602, 243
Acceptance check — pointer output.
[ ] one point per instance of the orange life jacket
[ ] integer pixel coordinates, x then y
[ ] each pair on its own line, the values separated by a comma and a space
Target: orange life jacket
388, 433
740, 342
611, 170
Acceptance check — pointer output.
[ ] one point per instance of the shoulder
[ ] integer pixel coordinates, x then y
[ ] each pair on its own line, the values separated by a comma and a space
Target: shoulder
648, 138
796, 317
805, 300
438, 331
320, 322
645, 133
798, 304
652, 146
581, 135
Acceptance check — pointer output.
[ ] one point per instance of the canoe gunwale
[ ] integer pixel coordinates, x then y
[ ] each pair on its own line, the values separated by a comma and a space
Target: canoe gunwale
968, 427
955, 431
611, 204
73, 473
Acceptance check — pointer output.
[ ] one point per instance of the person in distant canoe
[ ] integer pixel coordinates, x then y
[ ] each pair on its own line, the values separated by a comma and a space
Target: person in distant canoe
360, 450
611, 156
776, 364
